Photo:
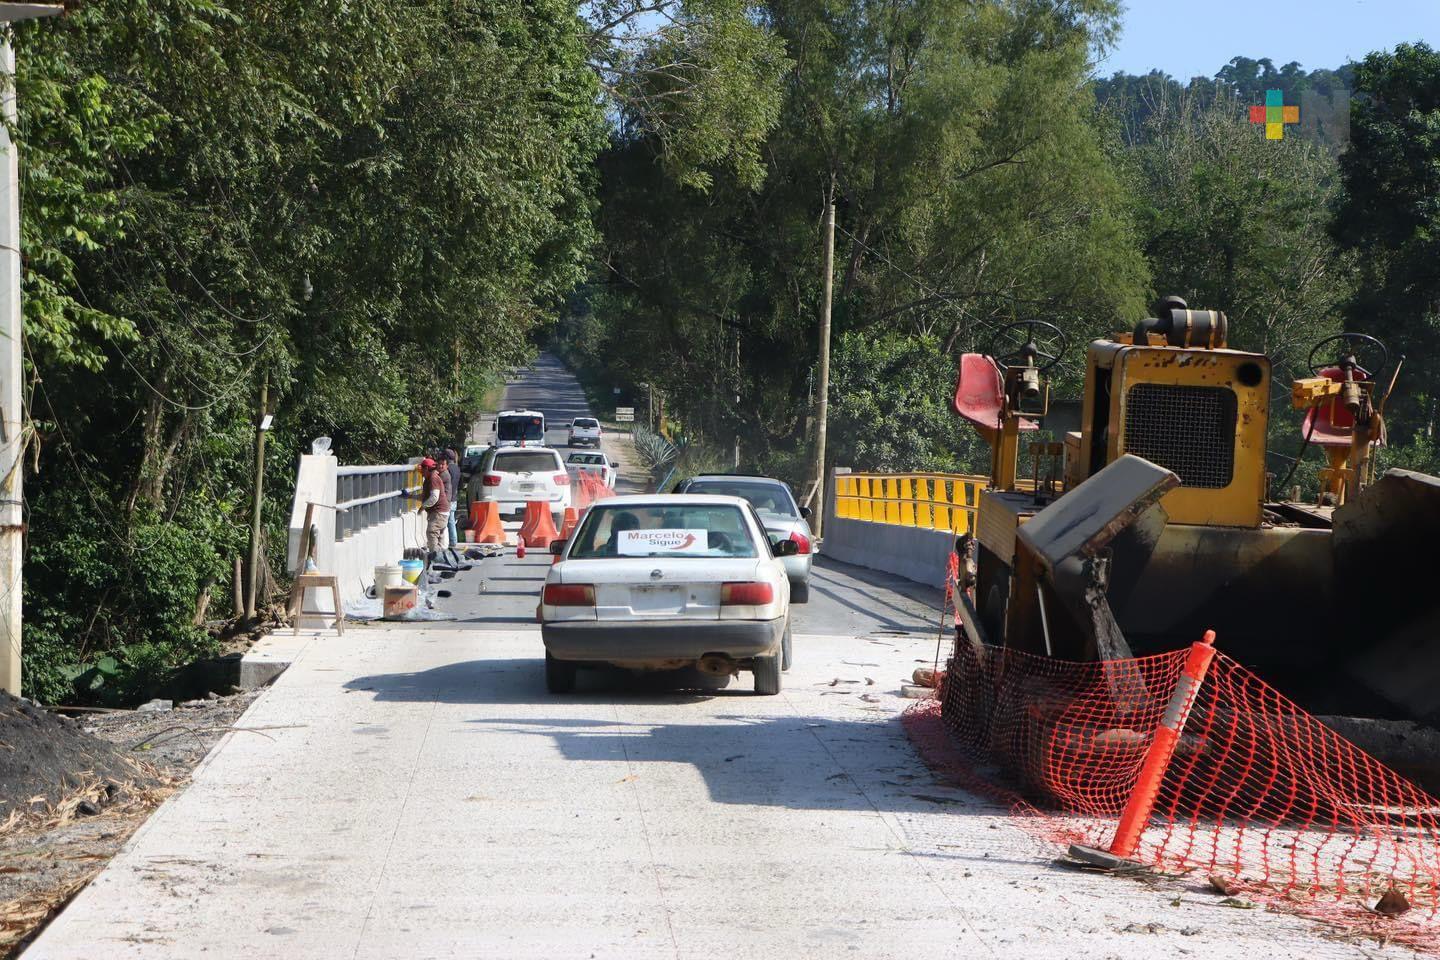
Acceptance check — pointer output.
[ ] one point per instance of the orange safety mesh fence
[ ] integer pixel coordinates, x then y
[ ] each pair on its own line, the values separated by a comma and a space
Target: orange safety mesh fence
1258, 792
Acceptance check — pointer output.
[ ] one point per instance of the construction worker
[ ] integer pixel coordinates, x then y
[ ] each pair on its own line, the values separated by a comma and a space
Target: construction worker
436, 503
452, 473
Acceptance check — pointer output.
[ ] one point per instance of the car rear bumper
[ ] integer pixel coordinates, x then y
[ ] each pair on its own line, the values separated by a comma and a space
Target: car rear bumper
631, 640
558, 503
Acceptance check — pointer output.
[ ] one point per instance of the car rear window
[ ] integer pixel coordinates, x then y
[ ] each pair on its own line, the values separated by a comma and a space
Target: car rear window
768, 499
524, 461
678, 531
587, 458
583, 422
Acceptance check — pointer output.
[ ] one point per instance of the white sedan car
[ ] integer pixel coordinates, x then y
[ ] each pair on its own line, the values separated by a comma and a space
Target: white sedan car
596, 463
663, 582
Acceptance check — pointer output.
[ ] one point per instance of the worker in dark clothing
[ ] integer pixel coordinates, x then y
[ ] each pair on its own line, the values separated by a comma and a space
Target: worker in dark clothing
452, 466
436, 503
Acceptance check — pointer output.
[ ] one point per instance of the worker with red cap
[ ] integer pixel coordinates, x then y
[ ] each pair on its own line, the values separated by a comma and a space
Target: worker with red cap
436, 504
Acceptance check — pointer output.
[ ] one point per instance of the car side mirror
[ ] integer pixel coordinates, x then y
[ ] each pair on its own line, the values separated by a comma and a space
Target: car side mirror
785, 548
614, 463
557, 547
804, 513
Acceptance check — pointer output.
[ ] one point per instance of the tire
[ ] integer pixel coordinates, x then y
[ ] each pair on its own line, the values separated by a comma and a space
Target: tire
785, 648
559, 675
800, 591
767, 675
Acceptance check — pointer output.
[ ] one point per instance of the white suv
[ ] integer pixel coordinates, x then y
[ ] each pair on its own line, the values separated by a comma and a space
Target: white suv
515, 476
585, 430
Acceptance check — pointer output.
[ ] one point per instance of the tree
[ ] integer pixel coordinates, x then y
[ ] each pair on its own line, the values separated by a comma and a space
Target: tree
375, 210
1234, 222
1389, 216
962, 206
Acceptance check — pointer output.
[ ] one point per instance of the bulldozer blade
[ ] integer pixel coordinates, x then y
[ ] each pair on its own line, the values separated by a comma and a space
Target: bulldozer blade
1384, 544
1106, 526
1088, 518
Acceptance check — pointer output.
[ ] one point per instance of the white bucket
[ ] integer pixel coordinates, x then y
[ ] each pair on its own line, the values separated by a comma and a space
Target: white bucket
387, 575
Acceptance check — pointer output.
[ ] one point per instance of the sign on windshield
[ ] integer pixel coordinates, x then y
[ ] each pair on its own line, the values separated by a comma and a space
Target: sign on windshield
648, 543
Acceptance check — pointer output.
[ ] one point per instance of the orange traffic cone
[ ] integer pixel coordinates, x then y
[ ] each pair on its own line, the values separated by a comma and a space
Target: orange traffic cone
567, 529
485, 521
539, 527
520, 547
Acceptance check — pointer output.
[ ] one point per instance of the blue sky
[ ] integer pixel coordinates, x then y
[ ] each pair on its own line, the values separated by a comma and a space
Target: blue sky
1188, 38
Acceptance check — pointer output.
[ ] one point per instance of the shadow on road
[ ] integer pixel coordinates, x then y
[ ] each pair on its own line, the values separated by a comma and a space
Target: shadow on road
798, 762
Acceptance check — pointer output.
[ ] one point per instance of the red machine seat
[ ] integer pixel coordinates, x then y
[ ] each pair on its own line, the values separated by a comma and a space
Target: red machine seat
1330, 424
980, 393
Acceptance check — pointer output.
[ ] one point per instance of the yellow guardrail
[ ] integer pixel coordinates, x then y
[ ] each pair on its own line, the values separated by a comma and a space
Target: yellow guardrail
932, 501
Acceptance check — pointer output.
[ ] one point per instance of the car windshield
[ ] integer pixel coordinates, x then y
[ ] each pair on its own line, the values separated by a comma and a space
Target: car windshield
522, 428
524, 461
687, 530
768, 499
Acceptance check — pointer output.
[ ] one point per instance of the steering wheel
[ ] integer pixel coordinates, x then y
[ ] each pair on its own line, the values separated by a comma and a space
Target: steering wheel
1016, 344
1356, 349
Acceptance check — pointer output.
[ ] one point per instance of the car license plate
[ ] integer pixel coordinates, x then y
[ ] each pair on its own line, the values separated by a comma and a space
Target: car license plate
657, 599
525, 487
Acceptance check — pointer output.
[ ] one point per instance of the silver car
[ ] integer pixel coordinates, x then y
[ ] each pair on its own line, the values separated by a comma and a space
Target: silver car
783, 519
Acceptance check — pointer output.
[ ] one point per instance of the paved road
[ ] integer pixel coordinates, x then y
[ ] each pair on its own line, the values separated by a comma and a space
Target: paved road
502, 592
413, 792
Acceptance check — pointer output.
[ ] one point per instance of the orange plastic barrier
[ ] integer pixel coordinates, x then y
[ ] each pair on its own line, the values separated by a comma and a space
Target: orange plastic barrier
485, 522
539, 527
567, 528
590, 488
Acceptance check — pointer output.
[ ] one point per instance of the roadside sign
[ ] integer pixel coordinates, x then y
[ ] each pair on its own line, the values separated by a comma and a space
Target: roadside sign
624, 414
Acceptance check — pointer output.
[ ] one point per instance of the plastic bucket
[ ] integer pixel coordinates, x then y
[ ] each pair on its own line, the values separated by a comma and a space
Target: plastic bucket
387, 575
410, 570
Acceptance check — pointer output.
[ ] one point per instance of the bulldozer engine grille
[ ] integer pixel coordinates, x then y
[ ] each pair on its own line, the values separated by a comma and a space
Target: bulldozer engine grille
1190, 430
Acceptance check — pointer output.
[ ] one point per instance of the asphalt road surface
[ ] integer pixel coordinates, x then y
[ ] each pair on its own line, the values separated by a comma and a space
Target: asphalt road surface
503, 591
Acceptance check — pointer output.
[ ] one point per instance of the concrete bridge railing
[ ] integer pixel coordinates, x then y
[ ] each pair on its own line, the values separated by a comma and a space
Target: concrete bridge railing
900, 523
363, 517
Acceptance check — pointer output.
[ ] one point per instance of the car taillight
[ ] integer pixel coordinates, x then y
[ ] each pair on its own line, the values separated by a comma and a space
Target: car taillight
491, 480
801, 541
746, 594
569, 595
562, 479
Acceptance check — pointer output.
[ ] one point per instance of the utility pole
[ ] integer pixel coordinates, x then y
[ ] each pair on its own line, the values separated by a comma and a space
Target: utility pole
822, 393
738, 421
253, 586
12, 370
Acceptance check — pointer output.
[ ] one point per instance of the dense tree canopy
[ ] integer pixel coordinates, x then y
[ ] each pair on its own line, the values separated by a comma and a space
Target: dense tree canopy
1390, 216
963, 204
370, 207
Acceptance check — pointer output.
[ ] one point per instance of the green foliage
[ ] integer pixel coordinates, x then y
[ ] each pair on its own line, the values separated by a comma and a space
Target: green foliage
106, 618
961, 207
1234, 222
1323, 96
1389, 215
372, 208
699, 81
891, 410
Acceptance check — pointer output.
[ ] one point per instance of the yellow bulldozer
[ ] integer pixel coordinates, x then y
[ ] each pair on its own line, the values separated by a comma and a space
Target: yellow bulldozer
1158, 520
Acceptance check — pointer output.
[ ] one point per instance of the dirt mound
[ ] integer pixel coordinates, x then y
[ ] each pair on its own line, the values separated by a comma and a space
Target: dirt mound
43, 755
